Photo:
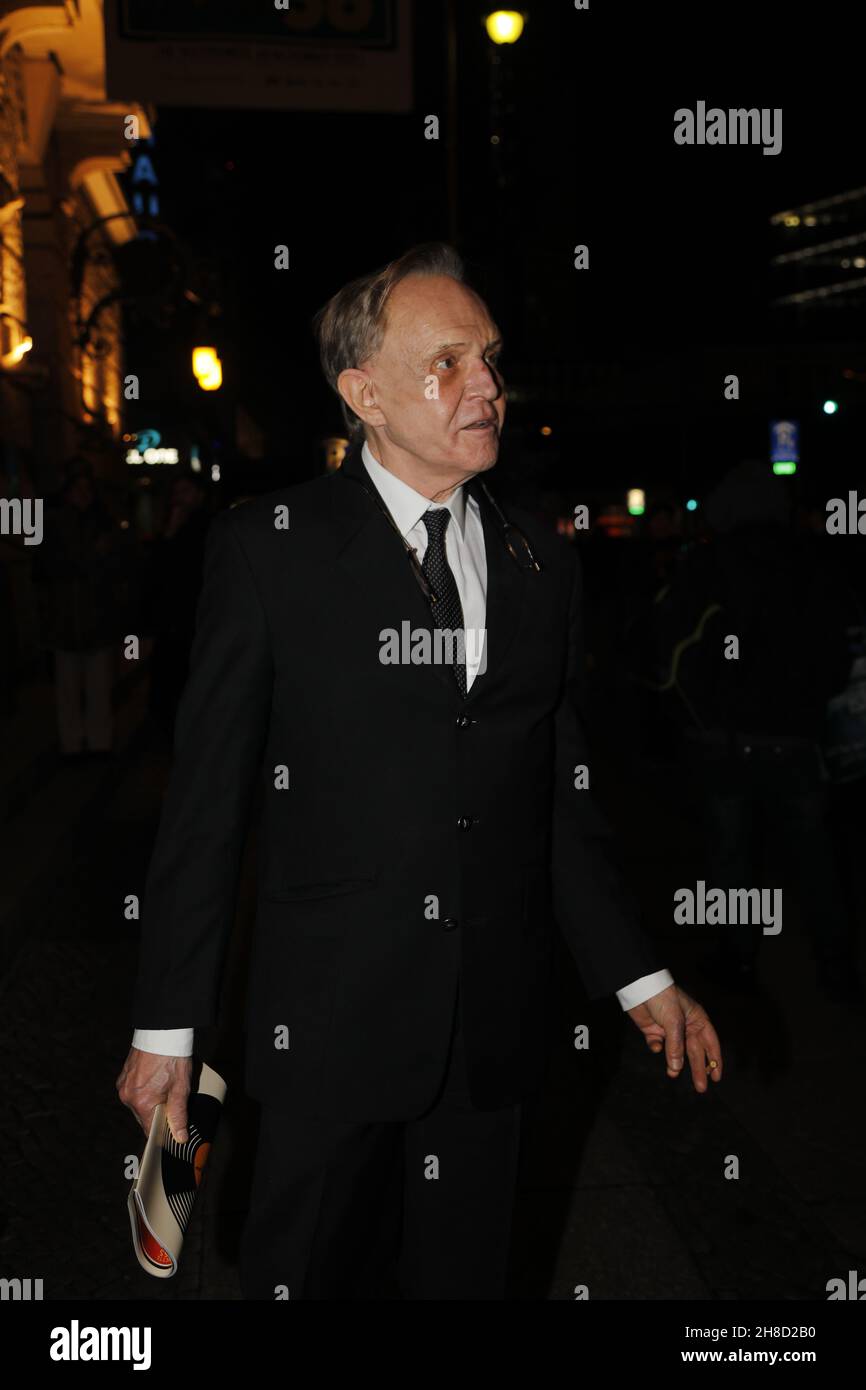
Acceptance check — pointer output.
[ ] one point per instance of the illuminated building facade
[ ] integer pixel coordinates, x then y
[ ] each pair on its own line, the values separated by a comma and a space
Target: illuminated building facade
63, 213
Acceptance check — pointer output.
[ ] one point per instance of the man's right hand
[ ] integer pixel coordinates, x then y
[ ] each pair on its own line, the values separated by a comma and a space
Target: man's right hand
149, 1079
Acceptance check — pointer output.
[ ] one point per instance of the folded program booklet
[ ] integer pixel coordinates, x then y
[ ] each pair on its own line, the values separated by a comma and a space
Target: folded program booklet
161, 1198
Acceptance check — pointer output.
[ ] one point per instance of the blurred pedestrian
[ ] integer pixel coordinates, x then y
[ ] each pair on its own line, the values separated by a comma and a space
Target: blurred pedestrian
752, 726
80, 572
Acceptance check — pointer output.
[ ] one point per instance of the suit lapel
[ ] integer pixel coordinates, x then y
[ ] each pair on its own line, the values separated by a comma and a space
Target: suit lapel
373, 555
506, 594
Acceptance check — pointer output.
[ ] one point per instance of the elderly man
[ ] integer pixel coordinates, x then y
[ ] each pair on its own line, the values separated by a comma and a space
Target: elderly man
424, 824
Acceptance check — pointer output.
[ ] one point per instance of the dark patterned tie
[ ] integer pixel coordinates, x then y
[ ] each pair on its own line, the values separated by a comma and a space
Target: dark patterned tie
447, 611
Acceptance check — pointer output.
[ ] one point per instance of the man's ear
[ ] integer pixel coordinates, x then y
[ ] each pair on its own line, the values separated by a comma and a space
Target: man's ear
356, 388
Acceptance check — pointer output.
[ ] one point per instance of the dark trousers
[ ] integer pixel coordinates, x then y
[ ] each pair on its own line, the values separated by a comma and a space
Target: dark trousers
416, 1209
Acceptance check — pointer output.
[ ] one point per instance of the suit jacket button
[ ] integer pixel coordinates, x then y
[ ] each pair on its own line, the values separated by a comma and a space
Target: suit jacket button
464, 823
463, 721
449, 923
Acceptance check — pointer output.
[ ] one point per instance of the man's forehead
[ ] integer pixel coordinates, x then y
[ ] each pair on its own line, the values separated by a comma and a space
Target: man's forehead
434, 310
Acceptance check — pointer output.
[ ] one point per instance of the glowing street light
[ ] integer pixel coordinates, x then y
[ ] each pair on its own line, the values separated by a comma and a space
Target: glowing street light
504, 26
18, 340
636, 501
207, 368
19, 351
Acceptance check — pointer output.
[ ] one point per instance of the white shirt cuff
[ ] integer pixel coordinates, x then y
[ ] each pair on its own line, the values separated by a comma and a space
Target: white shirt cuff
644, 988
168, 1042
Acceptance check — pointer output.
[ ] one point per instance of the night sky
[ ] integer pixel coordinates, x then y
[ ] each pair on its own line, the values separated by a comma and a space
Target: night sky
679, 238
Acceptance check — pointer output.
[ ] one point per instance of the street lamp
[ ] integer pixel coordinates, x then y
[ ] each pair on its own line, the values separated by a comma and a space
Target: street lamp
504, 26
207, 368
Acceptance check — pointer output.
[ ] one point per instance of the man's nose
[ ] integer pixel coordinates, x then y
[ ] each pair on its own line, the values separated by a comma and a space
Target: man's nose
483, 381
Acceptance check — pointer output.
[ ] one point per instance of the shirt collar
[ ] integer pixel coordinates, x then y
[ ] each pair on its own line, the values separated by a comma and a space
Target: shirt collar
405, 504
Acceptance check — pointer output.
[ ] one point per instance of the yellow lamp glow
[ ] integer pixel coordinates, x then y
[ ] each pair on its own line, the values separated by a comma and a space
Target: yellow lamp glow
335, 452
207, 368
15, 341
214, 380
504, 26
203, 359
20, 350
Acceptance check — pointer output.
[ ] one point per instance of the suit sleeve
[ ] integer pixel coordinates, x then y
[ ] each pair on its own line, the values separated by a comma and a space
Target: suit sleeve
220, 731
595, 909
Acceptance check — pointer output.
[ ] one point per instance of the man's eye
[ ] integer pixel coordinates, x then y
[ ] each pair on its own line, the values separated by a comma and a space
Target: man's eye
444, 359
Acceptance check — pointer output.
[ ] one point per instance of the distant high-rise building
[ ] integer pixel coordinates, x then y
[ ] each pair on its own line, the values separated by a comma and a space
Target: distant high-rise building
819, 263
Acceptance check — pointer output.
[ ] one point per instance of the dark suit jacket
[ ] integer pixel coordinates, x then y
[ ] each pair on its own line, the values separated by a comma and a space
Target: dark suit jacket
385, 764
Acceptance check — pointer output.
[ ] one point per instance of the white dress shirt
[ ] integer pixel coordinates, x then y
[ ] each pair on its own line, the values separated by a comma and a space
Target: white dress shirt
464, 548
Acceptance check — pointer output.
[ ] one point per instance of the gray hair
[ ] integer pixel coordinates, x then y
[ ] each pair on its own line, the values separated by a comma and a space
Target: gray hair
351, 326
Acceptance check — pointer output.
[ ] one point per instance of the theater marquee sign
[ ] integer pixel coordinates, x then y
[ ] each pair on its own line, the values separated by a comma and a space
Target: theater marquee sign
306, 55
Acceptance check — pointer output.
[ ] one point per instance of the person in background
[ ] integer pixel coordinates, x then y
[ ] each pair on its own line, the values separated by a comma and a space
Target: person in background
752, 726
79, 572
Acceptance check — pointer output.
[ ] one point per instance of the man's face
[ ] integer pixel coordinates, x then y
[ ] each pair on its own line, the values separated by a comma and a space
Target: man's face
435, 378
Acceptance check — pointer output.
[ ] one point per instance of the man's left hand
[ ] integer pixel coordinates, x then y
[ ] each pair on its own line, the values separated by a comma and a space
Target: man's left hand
673, 1020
